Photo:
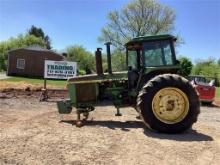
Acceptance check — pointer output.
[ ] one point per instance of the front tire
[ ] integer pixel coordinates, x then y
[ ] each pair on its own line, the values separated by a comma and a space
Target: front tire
168, 103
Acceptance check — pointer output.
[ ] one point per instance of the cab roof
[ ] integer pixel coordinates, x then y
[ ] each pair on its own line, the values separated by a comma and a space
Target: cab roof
151, 38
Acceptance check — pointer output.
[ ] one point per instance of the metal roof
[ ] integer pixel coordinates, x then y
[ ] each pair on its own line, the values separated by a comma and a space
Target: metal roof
32, 47
35, 48
151, 38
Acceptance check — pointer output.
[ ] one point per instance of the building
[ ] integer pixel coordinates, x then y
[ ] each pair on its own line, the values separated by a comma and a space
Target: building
29, 61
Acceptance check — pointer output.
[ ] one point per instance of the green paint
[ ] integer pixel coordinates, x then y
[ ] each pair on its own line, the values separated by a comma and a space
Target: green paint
64, 107
117, 76
171, 67
72, 93
151, 38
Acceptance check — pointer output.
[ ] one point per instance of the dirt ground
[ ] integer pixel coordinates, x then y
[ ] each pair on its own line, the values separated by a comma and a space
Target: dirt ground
34, 133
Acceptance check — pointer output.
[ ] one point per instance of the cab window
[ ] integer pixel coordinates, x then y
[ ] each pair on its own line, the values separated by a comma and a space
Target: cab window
132, 59
157, 53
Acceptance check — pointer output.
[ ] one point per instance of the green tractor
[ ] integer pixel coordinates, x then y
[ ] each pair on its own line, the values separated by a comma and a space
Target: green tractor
165, 101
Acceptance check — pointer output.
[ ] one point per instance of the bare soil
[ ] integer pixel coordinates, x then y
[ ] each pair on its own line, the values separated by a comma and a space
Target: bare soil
32, 132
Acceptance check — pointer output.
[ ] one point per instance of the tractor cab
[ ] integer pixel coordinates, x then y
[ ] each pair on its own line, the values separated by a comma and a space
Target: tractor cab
150, 54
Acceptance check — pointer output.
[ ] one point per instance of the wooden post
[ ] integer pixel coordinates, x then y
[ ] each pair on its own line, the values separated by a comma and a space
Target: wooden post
44, 95
45, 83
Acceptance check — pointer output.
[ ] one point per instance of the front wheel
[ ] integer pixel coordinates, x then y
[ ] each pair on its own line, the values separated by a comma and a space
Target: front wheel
168, 103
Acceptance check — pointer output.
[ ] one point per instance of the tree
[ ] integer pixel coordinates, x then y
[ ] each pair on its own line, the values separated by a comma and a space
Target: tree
48, 42
137, 18
38, 32
18, 42
205, 67
185, 66
85, 60
118, 60
3, 66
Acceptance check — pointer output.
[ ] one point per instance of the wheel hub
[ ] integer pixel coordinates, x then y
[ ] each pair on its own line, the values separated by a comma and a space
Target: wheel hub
170, 105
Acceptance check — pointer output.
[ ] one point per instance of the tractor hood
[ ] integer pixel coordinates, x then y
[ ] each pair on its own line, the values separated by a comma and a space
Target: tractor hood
92, 78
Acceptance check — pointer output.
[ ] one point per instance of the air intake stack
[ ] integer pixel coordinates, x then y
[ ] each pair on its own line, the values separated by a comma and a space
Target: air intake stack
109, 57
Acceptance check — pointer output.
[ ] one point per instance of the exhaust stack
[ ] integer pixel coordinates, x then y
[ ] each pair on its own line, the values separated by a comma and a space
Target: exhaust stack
109, 57
98, 57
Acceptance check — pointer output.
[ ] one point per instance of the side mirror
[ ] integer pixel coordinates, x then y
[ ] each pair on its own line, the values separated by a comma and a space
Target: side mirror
212, 83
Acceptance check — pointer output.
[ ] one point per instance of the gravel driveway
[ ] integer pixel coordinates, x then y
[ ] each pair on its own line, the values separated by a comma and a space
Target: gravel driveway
34, 133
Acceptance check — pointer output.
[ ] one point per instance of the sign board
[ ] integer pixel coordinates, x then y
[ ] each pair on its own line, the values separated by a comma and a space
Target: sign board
59, 69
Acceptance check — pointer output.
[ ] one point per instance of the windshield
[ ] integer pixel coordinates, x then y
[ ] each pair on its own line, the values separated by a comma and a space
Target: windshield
157, 53
201, 80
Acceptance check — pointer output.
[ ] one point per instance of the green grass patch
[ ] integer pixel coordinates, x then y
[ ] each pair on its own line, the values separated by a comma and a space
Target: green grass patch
218, 92
58, 83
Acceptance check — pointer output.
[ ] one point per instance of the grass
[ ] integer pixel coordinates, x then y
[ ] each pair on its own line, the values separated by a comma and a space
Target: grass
218, 92
58, 83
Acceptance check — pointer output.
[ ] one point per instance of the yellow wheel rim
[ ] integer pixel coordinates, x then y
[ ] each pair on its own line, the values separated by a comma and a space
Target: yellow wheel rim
170, 105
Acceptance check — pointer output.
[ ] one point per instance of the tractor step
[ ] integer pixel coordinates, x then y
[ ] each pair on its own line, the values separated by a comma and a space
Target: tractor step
84, 110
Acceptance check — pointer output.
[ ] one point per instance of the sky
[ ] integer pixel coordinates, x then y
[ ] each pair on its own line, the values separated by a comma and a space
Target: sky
69, 22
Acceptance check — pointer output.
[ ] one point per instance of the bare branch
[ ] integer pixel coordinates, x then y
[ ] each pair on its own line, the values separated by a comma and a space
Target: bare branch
138, 18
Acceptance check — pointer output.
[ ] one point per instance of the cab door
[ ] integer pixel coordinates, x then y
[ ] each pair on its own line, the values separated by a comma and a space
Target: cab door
133, 64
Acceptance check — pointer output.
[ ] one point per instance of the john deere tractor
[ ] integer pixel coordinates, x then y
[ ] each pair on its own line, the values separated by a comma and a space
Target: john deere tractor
165, 101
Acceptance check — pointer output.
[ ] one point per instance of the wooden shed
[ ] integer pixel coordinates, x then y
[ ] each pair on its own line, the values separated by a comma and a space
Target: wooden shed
29, 61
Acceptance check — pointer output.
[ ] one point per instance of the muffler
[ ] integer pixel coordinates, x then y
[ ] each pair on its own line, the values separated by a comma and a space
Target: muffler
98, 58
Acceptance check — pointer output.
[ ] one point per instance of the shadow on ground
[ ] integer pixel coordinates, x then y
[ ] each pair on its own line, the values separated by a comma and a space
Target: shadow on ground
213, 105
124, 126
189, 135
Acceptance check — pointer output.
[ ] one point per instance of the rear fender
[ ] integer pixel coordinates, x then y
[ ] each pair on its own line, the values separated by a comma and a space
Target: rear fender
149, 75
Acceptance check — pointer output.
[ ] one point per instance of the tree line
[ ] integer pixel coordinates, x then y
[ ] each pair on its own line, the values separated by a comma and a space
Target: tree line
209, 68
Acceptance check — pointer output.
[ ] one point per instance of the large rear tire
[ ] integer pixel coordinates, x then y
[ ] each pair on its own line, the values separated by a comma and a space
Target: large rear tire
168, 103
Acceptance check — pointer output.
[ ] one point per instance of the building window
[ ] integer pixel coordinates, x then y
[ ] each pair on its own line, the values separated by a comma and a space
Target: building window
20, 63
